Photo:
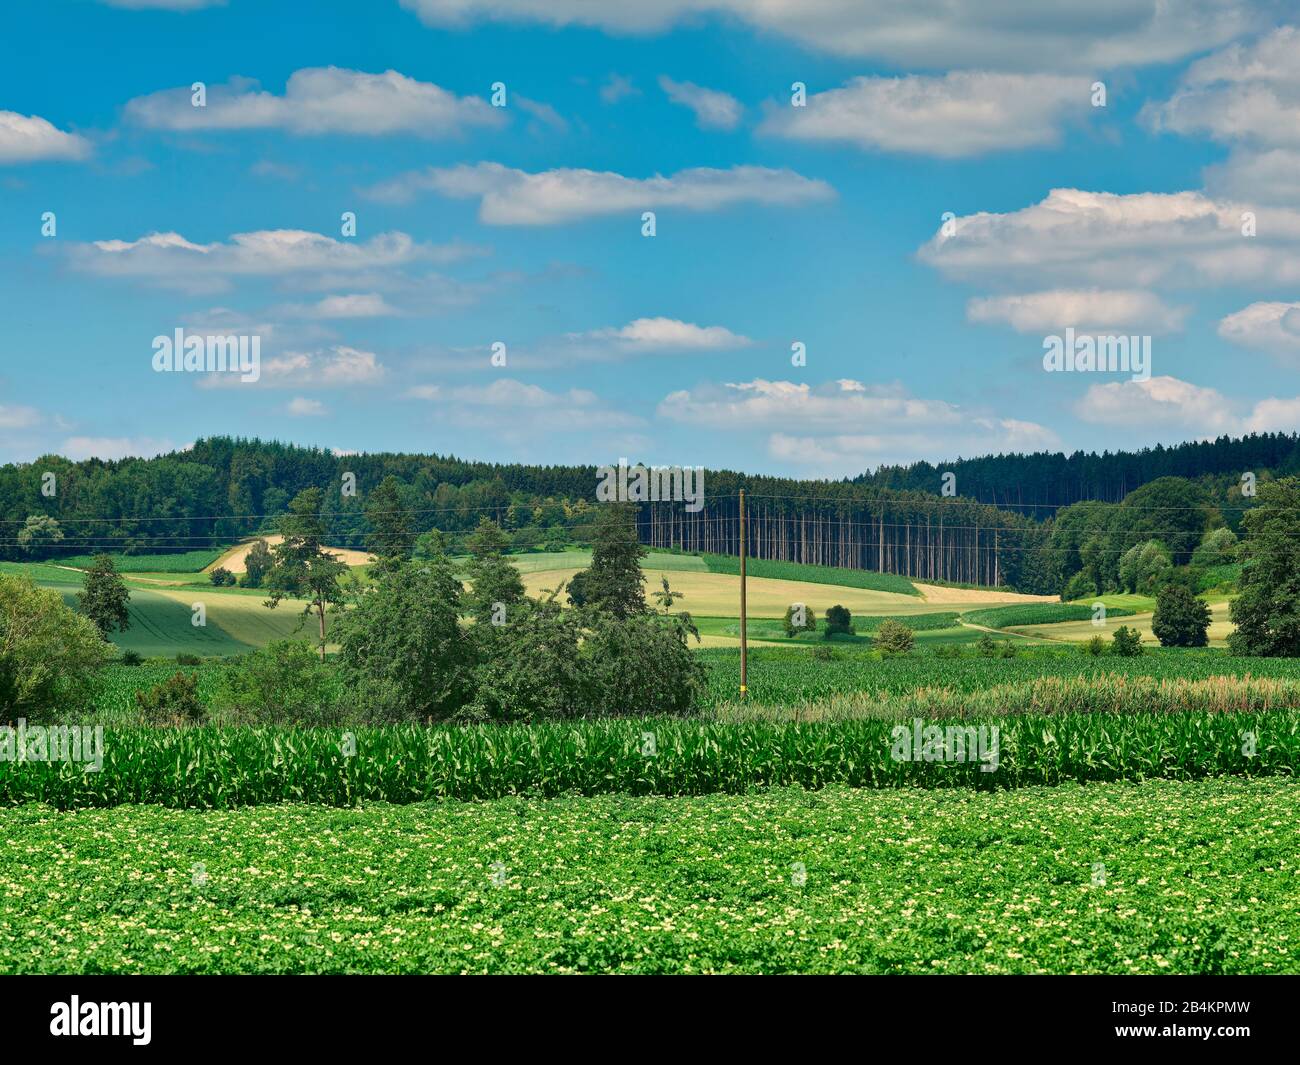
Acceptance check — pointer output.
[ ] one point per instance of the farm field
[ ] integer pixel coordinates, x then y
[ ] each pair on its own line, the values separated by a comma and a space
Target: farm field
1082, 631
1069, 880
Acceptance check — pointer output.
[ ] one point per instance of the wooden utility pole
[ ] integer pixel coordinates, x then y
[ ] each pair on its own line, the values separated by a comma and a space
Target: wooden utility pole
744, 643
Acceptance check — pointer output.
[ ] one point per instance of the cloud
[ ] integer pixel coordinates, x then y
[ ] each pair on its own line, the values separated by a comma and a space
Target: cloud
1011, 34
1272, 176
31, 139
667, 334
170, 260
110, 448
616, 87
962, 113
1167, 402
1249, 92
358, 305
1098, 238
552, 197
335, 367
1095, 311
713, 109
513, 407
1272, 327
821, 427
320, 100
18, 417
299, 407
280, 171
1159, 401
545, 115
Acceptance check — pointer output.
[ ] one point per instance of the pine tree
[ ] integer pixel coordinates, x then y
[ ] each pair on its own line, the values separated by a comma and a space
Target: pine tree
614, 583
494, 581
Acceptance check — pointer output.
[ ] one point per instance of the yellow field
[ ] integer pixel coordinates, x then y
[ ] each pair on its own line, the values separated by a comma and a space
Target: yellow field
1082, 631
718, 595
233, 559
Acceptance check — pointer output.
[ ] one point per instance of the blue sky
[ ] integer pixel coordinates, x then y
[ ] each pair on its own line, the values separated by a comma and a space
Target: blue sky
775, 224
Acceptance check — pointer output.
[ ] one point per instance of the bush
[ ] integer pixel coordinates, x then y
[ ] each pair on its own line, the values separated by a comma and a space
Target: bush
1181, 619
222, 577
894, 638
48, 653
1007, 649
402, 654
948, 650
1094, 647
641, 665
799, 618
1078, 587
826, 654
285, 683
173, 702
1127, 643
131, 658
529, 669
985, 646
183, 659
839, 621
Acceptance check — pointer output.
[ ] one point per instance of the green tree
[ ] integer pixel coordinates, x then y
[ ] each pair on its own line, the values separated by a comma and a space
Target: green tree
641, 665
1143, 566
303, 569
1180, 619
1126, 642
495, 585
104, 598
894, 638
839, 621
39, 534
798, 618
1267, 612
530, 669
48, 653
257, 564
221, 577
175, 701
284, 683
614, 583
1218, 548
403, 656
391, 538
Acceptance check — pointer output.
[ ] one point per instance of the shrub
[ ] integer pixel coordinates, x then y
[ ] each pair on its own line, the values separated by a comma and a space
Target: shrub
985, 646
1180, 619
529, 669
1127, 643
285, 683
173, 702
894, 638
1007, 649
48, 653
641, 665
948, 650
131, 658
799, 618
221, 577
1080, 586
839, 621
1094, 647
826, 654
183, 659
403, 656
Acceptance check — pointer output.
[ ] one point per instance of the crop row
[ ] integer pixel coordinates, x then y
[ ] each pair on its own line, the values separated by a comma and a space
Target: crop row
228, 767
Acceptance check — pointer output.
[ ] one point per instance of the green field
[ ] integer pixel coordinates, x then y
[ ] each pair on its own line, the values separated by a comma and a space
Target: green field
166, 562
1160, 877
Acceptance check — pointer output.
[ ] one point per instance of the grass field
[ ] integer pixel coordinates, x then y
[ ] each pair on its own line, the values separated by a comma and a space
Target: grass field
1159, 877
